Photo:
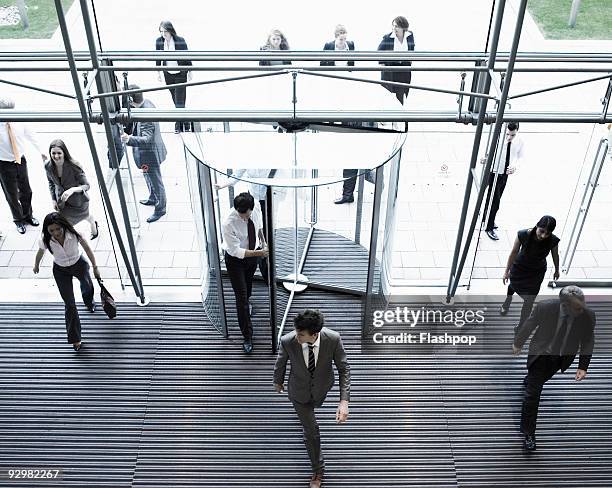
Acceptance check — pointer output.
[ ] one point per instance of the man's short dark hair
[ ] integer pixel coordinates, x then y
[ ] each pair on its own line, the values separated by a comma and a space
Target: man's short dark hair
137, 98
513, 126
244, 202
309, 320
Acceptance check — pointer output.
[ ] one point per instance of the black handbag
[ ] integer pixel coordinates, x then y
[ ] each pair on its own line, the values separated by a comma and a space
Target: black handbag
108, 302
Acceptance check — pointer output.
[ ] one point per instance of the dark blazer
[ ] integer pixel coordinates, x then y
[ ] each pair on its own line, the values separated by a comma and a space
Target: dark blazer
331, 46
179, 45
301, 386
387, 45
147, 144
265, 62
72, 175
545, 317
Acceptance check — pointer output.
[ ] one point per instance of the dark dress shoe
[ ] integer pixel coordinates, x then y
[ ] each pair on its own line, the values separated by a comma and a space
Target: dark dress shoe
20, 227
155, 217
529, 443
92, 307
147, 202
248, 346
96, 233
33, 221
344, 199
492, 235
78, 346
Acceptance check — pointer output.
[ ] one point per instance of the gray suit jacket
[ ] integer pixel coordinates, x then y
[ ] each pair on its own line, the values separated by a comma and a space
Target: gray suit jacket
148, 145
72, 176
302, 387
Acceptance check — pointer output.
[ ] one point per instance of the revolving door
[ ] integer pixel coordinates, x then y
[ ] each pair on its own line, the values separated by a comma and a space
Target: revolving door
314, 243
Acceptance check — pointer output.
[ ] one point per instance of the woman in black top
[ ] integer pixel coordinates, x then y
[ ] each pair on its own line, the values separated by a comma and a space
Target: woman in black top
169, 41
527, 264
276, 42
400, 40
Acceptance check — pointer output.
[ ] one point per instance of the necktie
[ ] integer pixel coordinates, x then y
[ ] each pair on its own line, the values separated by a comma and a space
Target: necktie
251, 233
13, 141
559, 337
507, 157
311, 359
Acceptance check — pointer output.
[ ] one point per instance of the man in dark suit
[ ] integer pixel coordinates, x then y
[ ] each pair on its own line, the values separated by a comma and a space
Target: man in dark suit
149, 152
312, 348
563, 326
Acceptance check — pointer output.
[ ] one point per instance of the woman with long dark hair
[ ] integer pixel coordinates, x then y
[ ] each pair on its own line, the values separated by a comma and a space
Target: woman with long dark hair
68, 186
526, 265
61, 239
276, 42
170, 41
402, 40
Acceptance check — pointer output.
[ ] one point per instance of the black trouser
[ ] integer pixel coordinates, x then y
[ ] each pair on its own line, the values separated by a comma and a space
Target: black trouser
241, 273
528, 301
178, 94
540, 371
157, 191
63, 277
262, 263
16, 187
348, 187
499, 191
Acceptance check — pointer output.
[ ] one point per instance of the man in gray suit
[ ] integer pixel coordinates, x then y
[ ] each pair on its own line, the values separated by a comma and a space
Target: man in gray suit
149, 152
312, 348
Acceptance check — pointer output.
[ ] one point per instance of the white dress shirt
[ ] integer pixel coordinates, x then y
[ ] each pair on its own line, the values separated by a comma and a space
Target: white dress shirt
315, 350
22, 133
169, 46
65, 255
236, 234
258, 191
516, 155
397, 45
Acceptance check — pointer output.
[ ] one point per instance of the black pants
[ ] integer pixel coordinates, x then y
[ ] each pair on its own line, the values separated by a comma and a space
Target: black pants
499, 191
157, 191
241, 273
178, 94
540, 371
16, 187
348, 187
63, 277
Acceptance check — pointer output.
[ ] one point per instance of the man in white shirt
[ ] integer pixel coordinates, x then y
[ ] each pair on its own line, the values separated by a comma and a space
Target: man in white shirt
507, 164
14, 168
243, 242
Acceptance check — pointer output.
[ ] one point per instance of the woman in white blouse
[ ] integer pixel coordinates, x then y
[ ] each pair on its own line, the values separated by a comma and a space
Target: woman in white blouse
62, 241
400, 39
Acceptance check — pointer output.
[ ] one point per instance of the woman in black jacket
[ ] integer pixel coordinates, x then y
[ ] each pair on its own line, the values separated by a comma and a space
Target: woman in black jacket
169, 41
400, 40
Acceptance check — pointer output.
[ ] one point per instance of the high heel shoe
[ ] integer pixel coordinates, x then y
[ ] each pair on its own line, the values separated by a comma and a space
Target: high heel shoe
94, 235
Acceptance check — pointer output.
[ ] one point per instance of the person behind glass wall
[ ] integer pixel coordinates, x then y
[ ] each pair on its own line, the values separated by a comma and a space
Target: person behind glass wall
402, 40
244, 243
68, 186
311, 349
259, 193
526, 264
170, 41
562, 327
512, 155
149, 152
276, 42
61, 239
14, 168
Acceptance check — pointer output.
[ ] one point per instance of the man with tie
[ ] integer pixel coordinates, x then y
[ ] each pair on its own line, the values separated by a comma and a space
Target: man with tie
243, 242
14, 168
149, 153
563, 326
512, 154
312, 348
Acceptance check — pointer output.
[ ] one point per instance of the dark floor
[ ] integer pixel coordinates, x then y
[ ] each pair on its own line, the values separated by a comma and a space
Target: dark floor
157, 398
